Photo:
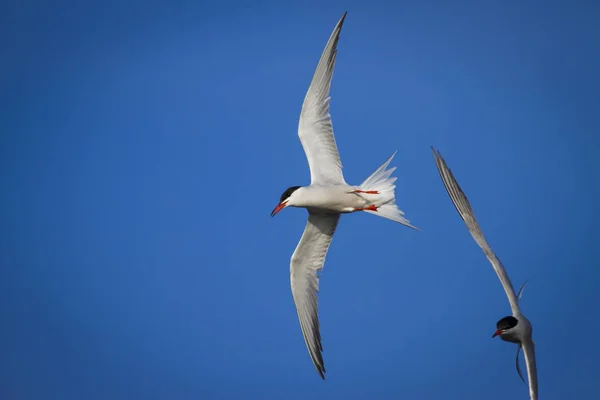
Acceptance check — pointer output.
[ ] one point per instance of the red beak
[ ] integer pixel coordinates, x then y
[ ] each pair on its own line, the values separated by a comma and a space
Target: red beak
279, 207
499, 331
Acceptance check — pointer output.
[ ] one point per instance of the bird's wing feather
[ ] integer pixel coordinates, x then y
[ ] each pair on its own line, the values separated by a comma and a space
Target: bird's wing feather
464, 209
306, 262
529, 352
518, 366
314, 128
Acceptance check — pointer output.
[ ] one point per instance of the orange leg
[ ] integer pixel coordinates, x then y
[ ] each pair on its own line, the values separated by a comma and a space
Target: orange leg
370, 208
366, 191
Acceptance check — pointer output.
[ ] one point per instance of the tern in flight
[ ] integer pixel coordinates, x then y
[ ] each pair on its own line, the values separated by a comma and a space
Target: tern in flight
326, 198
514, 328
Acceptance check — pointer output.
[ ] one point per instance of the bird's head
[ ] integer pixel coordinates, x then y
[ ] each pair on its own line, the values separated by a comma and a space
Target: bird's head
287, 199
508, 329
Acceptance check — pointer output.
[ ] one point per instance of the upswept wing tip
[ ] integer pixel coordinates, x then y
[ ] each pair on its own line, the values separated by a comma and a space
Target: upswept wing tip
315, 128
462, 205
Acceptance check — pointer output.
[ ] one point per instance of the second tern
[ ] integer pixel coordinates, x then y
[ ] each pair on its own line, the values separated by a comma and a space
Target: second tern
514, 328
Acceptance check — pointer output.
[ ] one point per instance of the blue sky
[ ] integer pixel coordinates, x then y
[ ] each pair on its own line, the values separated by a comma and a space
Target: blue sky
144, 145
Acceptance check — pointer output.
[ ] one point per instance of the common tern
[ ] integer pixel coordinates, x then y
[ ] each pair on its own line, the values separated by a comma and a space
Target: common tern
326, 198
514, 328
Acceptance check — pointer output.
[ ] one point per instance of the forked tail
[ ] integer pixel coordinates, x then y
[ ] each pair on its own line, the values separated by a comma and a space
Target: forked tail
382, 182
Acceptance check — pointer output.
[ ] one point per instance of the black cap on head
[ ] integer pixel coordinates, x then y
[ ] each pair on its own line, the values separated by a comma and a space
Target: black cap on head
288, 192
507, 323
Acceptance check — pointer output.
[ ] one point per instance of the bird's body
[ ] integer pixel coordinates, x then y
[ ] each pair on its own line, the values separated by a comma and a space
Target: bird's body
340, 198
521, 328
515, 328
327, 197
333, 198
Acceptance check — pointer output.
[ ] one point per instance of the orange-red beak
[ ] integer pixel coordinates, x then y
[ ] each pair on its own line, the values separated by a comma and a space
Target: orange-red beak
279, 207
499, 331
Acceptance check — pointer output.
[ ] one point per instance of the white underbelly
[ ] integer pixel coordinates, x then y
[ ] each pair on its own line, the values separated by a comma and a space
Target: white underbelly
336, 199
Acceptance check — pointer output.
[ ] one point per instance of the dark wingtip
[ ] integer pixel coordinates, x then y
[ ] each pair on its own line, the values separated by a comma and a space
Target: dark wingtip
342, 19
321, 368
321, 371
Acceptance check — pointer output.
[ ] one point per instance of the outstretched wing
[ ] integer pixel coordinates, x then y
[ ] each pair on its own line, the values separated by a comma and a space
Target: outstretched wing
307, 261
466, 213
315, 129
529, 352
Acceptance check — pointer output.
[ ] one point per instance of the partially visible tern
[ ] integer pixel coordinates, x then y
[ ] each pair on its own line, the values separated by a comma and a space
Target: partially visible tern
516, 328
326, 198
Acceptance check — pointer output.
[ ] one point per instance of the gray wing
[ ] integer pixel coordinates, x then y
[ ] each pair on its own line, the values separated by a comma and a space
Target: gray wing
314, 128
307, 261
529, 352
466, 213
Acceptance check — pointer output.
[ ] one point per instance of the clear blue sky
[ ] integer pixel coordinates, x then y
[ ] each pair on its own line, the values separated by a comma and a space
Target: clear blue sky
143, 147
